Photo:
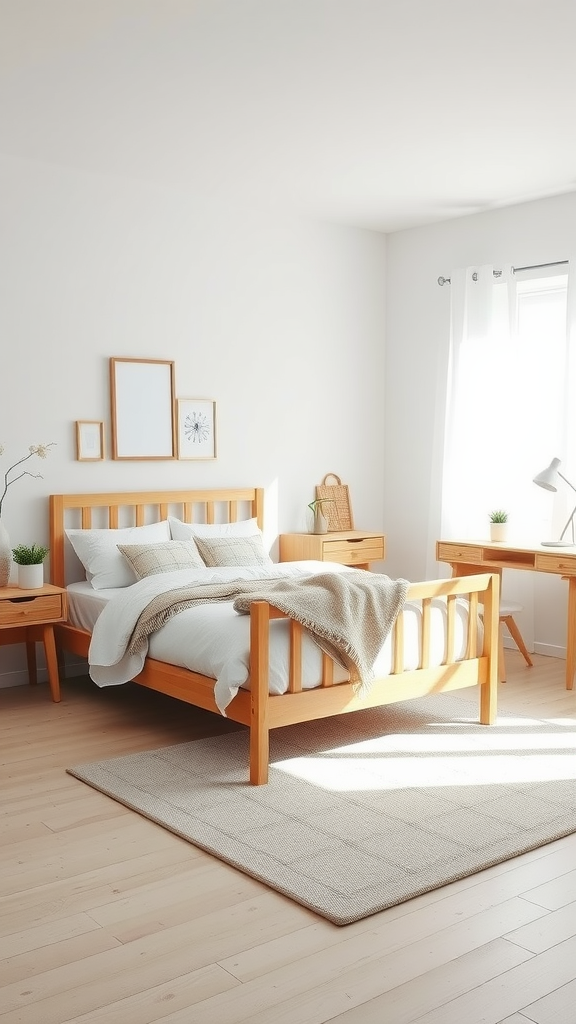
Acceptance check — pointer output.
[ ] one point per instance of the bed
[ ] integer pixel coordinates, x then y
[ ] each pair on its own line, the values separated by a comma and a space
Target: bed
463, 654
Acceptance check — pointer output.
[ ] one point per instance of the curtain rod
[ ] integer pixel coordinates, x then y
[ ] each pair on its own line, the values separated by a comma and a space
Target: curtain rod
515, 270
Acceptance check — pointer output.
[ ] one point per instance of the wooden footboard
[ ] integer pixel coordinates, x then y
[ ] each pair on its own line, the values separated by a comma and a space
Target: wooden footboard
478, 667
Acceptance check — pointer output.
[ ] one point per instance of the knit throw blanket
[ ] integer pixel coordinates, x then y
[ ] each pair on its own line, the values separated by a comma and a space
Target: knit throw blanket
349, 614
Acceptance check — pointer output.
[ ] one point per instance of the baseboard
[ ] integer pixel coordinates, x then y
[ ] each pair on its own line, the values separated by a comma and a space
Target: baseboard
20, 676
550, 651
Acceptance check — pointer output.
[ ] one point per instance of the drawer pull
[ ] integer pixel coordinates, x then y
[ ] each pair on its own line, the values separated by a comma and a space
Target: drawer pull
20, 600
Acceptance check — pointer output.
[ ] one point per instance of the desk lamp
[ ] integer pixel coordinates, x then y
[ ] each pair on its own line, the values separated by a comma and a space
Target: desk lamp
548, 479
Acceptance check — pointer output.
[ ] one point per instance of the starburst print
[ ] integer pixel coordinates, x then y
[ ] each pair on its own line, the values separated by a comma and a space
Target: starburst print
196, 427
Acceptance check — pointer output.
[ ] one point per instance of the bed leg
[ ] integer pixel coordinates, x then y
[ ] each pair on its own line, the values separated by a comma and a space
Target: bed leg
489, 689
259, 693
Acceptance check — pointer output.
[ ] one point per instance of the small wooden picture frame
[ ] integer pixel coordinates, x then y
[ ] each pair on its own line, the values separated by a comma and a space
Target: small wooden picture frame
89, 440
196, 428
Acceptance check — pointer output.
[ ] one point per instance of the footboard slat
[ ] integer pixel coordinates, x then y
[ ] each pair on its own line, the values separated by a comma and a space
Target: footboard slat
472, 644
398, 645
425, 633
295, 665
450, 629
327, 670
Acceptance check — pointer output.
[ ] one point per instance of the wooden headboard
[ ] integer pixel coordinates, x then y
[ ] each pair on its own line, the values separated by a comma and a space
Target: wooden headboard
137, 508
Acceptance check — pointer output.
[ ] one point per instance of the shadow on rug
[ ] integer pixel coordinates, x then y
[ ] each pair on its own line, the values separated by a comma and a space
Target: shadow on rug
362, 811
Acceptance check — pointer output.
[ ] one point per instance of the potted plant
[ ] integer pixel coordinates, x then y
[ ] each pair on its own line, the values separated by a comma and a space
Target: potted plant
498, 525
41, 451
30, 562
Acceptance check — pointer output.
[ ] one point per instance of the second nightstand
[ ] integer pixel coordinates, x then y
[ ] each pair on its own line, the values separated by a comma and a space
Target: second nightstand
29, 615
356, 548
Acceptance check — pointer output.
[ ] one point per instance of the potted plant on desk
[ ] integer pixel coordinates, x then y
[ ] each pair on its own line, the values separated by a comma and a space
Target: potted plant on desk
498, 525
30, 562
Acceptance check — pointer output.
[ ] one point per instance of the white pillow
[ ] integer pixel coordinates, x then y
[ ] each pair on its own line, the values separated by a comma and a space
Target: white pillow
233, 551
98, 551
187, 531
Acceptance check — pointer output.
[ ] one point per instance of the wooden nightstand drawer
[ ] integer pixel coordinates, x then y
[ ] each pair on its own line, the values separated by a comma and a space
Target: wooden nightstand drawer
22, 611
348, 552
458, 553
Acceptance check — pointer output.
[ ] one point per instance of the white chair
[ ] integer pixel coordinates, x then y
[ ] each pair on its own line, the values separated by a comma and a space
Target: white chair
507, 611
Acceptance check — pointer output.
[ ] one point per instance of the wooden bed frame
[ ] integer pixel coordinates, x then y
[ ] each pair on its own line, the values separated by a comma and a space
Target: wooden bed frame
256, 708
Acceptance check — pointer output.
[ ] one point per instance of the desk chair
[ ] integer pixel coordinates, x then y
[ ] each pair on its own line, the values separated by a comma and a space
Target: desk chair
507, 612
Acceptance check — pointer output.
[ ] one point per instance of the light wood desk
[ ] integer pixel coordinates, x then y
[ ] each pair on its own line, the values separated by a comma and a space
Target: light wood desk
468, 557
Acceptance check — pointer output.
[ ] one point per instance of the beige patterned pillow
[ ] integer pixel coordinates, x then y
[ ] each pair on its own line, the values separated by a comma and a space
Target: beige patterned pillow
233, 551
150, 559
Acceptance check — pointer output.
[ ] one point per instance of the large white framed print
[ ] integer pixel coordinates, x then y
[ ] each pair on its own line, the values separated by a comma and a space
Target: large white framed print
196, 420
142, 400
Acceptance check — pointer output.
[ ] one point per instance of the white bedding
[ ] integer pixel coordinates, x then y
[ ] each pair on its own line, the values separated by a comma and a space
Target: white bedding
213, 639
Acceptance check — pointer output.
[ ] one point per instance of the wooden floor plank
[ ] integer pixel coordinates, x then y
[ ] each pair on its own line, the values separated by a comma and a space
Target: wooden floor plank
555, 1008
511, 992
547, 930
405, 1003
354, 972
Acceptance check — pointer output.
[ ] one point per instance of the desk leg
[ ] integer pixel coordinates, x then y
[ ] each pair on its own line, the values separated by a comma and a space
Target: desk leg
51, 662
571, 634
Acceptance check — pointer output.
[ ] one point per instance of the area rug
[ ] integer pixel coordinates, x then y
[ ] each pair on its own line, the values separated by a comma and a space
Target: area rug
362, 811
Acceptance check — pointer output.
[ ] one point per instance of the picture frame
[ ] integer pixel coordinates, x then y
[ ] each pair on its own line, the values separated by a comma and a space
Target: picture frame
89, 440
196, 420
142, 408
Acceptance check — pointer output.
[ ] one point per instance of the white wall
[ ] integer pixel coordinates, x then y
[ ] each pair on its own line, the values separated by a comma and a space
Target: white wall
417, 332
281, 321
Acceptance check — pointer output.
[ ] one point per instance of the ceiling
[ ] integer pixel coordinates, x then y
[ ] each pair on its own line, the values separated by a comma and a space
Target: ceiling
381, 113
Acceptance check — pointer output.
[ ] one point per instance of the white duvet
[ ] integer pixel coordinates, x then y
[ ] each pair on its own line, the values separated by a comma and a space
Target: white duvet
214, 639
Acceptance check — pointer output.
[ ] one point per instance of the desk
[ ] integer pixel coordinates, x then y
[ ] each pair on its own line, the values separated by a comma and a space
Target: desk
468, 557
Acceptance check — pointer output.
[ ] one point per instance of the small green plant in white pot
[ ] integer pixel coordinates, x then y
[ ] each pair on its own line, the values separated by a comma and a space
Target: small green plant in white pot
30, 562
498, 525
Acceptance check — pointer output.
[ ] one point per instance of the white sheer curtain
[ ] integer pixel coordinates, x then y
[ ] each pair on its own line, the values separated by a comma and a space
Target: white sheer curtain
480, 373
510, 409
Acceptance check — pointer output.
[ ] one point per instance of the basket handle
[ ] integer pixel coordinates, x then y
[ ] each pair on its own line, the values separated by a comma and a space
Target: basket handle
337, 478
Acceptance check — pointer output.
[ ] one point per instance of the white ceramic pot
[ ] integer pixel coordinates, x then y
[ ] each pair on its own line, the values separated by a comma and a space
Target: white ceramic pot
31, 577
498, 532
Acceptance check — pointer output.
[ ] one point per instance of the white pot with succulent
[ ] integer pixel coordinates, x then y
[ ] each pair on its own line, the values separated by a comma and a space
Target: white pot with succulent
30, 562
498, 525
41, 450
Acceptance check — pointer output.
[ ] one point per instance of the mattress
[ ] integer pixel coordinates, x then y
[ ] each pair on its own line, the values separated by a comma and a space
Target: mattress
214, 640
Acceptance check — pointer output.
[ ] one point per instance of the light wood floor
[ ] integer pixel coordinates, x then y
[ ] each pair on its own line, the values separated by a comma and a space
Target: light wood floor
106, 917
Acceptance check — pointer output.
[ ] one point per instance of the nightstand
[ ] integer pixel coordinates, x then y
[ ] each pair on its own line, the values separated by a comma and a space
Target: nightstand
28, 616
356, 548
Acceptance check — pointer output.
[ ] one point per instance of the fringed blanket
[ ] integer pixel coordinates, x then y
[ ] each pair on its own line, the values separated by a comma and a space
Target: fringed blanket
350, 614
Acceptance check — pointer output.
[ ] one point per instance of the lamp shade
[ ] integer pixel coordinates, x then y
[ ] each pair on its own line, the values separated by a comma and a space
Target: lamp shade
548, 478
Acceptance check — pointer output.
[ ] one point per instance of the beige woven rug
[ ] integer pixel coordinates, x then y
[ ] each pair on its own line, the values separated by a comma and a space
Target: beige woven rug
362, 811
